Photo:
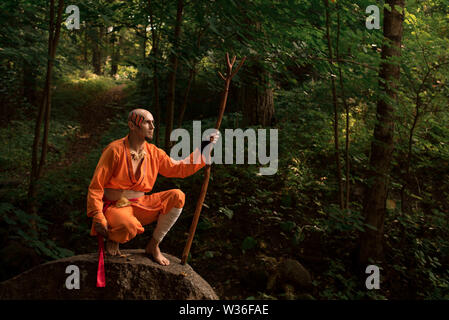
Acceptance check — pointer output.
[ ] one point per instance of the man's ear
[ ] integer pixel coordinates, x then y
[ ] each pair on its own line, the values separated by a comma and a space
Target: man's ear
131, 125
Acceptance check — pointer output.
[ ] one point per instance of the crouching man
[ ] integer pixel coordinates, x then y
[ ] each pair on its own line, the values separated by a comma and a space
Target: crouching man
128, 168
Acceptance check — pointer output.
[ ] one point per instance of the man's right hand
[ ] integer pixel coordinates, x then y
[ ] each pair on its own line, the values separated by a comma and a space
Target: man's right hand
101, 229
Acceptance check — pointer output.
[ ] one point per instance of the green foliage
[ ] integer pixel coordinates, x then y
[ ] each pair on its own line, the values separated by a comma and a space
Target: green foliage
345, 221
204, 224
20, 227
226, 211
16, 142
426, 250
348, 285
248, 244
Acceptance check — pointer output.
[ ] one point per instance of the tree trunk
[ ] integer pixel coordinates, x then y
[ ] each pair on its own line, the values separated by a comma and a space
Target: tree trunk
172, 77
345, 103
115, 53
189, 84
29, 82
144, 42
335, 105
186, 97
143, 75
45, 107
155, 53
96, 51
374, 208
405, 203
255, 95
86, 44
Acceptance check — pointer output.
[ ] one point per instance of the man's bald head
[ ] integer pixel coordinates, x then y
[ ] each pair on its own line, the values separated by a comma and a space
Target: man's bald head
141, 123
137, 116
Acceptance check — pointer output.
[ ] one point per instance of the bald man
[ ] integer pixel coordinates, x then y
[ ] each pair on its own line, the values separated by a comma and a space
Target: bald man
127, 169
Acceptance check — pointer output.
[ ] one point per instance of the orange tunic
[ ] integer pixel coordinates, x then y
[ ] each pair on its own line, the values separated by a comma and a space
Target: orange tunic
114, 170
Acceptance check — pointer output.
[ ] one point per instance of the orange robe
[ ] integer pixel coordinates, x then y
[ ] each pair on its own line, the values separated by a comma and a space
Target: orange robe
114, 170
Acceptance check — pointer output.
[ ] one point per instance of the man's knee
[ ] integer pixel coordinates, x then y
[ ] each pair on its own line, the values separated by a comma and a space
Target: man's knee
178, 198
131, 227
124, 228
125, 231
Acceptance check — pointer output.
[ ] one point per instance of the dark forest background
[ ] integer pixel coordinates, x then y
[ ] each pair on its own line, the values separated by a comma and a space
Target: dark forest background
363, 128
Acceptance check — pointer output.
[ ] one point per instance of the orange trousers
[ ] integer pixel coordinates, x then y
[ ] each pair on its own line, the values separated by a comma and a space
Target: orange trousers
126, 222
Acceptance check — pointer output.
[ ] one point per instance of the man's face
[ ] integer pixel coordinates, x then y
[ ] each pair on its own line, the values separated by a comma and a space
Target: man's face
146, 128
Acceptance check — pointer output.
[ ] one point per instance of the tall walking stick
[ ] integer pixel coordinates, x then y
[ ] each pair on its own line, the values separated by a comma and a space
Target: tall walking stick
199, 204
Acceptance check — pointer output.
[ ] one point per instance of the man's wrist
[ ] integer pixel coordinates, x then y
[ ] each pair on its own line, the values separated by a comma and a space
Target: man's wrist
99, 217
204, 144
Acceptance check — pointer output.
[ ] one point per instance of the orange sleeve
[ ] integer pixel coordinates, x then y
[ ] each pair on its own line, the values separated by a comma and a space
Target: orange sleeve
171, 168
105, 167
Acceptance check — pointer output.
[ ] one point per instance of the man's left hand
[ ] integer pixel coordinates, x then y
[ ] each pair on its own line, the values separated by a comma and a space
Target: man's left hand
214, 137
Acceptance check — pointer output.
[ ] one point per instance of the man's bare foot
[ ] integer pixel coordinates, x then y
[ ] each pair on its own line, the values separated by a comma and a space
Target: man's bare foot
112, 248
153, 249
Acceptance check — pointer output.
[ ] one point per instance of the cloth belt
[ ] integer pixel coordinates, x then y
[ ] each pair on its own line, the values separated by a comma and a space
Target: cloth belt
116, 194
101, 278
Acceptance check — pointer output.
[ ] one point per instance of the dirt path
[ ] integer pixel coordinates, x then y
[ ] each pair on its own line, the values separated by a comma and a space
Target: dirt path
93, 119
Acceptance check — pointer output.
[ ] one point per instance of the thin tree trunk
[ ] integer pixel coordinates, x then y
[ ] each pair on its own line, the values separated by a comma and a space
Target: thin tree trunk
29, 82
157, 106
48, 109
115, 53
186, 97
144, 42
189, 85
404, 200
255, 96
418, 104
42, 108
343, 96
374, 208
86, 44
143, 75
172, 76
45, 107
334, 101
155, 53
96, 51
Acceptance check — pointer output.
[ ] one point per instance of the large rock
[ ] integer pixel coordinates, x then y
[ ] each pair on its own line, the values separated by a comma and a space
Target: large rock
289, 276
291, 271
135, 278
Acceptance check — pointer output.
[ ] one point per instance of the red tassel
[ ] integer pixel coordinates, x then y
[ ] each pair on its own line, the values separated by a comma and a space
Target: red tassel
101, 281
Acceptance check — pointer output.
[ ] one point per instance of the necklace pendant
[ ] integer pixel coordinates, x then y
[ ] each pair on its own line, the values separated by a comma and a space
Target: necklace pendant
138, 156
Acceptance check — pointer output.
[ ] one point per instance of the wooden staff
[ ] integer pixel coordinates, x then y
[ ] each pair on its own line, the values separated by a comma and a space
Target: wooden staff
202, 196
